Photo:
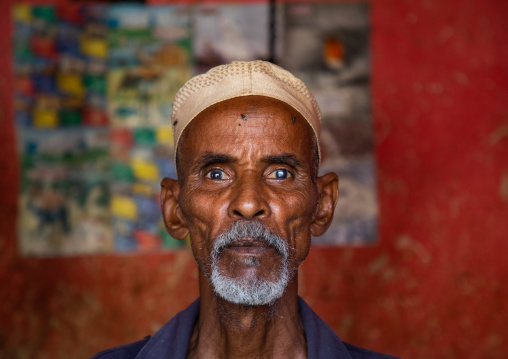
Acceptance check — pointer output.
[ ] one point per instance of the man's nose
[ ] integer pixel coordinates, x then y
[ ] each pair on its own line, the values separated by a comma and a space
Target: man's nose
249, 198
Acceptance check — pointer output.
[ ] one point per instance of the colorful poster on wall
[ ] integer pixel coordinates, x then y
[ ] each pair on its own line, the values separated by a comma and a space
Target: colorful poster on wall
94, 92
327, 46
149, 60
59, 102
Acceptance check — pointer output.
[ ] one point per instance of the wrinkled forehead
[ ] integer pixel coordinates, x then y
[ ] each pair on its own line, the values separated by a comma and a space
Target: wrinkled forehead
261, 123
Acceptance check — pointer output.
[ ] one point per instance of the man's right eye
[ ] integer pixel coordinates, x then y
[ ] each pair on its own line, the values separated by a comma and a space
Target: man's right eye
216, 175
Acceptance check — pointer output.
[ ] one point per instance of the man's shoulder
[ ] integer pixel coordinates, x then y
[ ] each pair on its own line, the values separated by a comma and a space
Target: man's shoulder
169, 341
127, 351
362, 353
323, 342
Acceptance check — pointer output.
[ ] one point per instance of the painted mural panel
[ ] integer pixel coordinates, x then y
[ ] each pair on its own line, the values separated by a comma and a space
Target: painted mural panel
60, 57
94, 89
327, 46
150, 58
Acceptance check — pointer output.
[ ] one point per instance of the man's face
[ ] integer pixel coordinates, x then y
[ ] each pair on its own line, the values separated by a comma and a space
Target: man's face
246, 163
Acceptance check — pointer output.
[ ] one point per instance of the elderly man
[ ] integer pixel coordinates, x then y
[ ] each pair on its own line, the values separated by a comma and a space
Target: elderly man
248, 193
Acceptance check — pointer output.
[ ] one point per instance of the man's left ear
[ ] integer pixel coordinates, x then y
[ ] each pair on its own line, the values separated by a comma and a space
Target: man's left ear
173, 217
328, 186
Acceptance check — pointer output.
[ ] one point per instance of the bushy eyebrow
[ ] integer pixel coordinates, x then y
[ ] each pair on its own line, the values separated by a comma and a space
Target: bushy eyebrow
211, 158
208, 159
287, 159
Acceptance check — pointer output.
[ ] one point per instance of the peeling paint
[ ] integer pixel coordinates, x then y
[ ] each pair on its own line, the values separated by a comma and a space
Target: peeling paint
498, 134
407, 243
346, 323
461, 78
378, 263
503, 188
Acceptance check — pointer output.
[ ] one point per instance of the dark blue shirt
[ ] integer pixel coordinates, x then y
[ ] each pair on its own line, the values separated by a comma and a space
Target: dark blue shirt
172, 339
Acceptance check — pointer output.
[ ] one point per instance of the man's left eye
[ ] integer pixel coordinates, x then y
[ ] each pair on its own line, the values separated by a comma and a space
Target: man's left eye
216, 175
280, 174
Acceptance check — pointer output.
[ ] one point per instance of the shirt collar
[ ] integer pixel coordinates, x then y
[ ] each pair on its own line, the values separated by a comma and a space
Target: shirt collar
172, 339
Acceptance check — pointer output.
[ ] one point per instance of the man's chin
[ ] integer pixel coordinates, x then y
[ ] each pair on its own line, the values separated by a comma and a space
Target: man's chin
249, 290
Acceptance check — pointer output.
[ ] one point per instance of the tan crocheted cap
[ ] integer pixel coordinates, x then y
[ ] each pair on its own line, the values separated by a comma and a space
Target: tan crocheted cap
243, 78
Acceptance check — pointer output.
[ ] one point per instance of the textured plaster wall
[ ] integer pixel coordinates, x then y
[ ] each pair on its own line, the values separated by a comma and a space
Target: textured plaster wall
436, 284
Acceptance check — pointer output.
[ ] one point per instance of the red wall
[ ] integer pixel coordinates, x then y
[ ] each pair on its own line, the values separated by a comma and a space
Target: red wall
435, 285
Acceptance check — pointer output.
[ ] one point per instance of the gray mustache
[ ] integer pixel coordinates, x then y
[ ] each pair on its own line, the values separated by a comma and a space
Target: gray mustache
250, 229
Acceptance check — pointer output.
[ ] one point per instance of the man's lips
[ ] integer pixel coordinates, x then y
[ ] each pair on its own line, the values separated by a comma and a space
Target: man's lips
249, 246
250, 250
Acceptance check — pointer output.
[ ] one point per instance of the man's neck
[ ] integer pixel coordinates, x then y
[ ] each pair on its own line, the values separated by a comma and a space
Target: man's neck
228, 330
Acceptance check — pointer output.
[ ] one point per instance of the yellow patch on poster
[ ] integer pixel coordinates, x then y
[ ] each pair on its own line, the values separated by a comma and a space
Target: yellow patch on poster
164, 135
71, 83
94, 47
22, 13
45, 118
142, 189
187, 241
145, 170
124, 207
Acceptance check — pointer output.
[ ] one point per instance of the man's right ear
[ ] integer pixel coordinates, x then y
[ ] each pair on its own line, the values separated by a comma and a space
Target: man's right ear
173, 218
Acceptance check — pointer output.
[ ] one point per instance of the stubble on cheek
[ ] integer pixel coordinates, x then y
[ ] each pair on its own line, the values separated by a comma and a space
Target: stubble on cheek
199, 228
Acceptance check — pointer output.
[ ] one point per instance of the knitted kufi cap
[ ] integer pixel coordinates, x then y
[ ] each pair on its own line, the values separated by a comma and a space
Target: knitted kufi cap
238, 79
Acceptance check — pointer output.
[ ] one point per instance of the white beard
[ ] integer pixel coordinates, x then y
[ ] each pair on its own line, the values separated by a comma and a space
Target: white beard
250, 291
